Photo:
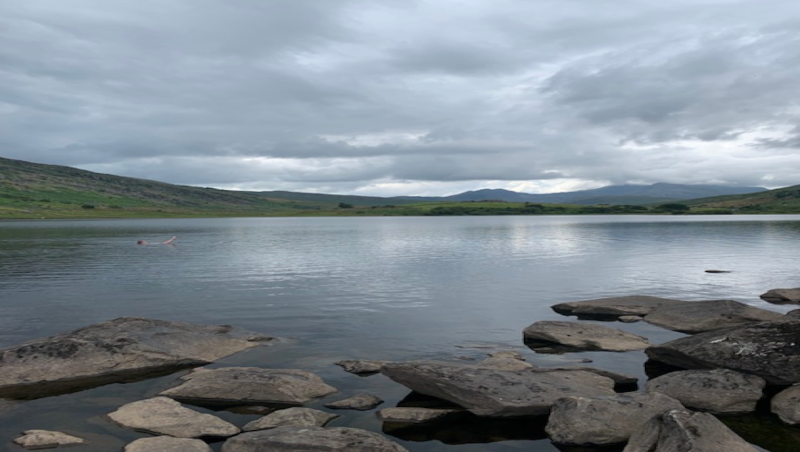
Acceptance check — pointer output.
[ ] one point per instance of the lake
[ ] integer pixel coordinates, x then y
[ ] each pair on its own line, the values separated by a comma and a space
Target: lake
393, 288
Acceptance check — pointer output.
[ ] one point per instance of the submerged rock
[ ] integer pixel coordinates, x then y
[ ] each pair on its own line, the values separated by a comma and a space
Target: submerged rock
167, 444
770, 350
46, 439
296, 416
719, 391
596, 421
613, 307
115, 351
686, 431
782, 296
786, 404
164, 416
361, 366
249, 385
360, 402
702, 316
493, 392
317, 439
417, 415
582, 336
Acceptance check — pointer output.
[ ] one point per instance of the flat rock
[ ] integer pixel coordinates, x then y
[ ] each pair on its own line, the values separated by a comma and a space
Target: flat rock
686, 431
295, 416
630, 318
620, 379
360, 402
582, 336
770, 350
167, 444
115, 351
613, 307
786, 404
164, 416
782, 296
701, 316
308, 439
718, 391
361, 366
46, 439
496, 393
249, 385
598, 421
416, 415
503, 363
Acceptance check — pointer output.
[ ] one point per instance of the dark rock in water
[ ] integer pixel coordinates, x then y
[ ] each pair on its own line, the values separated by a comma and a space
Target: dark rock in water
786, 404
119, 350
317, 439
361, 366
782, 296
497, 393
249, 385
686, 431
718, 391
593, 421
582, 336
360, 402
613, 307
416, 415
701, 316
718, 271
470, 429
770, 350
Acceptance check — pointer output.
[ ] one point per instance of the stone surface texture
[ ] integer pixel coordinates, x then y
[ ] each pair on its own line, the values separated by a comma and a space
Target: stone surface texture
167, 444
497, 393
584, 336
702, 316
164, 416
46, 439
770, 350
360, 402
786, 404
638, 305
250, 385
718, 391
782, 295
599, 421
311, 439
296, 416
415, 415
686, 431
115, 350
361, 366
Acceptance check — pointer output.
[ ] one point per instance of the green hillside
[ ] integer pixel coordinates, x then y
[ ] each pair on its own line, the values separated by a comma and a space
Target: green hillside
781, 200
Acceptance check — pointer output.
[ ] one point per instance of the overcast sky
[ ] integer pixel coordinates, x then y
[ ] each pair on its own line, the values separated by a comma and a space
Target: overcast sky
405, 97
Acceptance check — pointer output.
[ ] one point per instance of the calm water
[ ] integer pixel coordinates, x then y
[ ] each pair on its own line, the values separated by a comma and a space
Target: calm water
373, 288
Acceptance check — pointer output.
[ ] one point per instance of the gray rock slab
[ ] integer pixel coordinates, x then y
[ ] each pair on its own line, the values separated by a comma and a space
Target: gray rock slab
115, 351
46, 439
164, 416
249, 385
583, 336
599, 421
781, 296
686, 431
295, 416
770, 350
167, 444
619, 378
701, 316
311, 439
360, 402
638, 305
361, 366
504, 363
718, 391
496, 393
416, 415
786, 405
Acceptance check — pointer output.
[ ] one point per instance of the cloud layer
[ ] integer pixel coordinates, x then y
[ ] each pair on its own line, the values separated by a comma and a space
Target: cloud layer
405, 97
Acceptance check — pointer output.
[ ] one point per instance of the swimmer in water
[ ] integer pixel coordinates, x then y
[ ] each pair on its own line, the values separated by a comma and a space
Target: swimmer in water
166, 242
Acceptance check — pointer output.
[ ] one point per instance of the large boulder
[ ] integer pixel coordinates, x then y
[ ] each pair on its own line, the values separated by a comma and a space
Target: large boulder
167, 444
702, 316
311, 439
786, 404
582, 336
770, 350
249, 385
115, 351
164, 416
613, 307
597, 421
295, 416
782, 296
686, 431
718, 391
497, 393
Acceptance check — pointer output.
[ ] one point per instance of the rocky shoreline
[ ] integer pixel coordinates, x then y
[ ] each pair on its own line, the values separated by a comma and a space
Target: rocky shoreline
735, 359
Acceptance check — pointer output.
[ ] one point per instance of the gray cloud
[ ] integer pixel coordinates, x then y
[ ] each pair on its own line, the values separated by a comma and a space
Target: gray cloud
405, 97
